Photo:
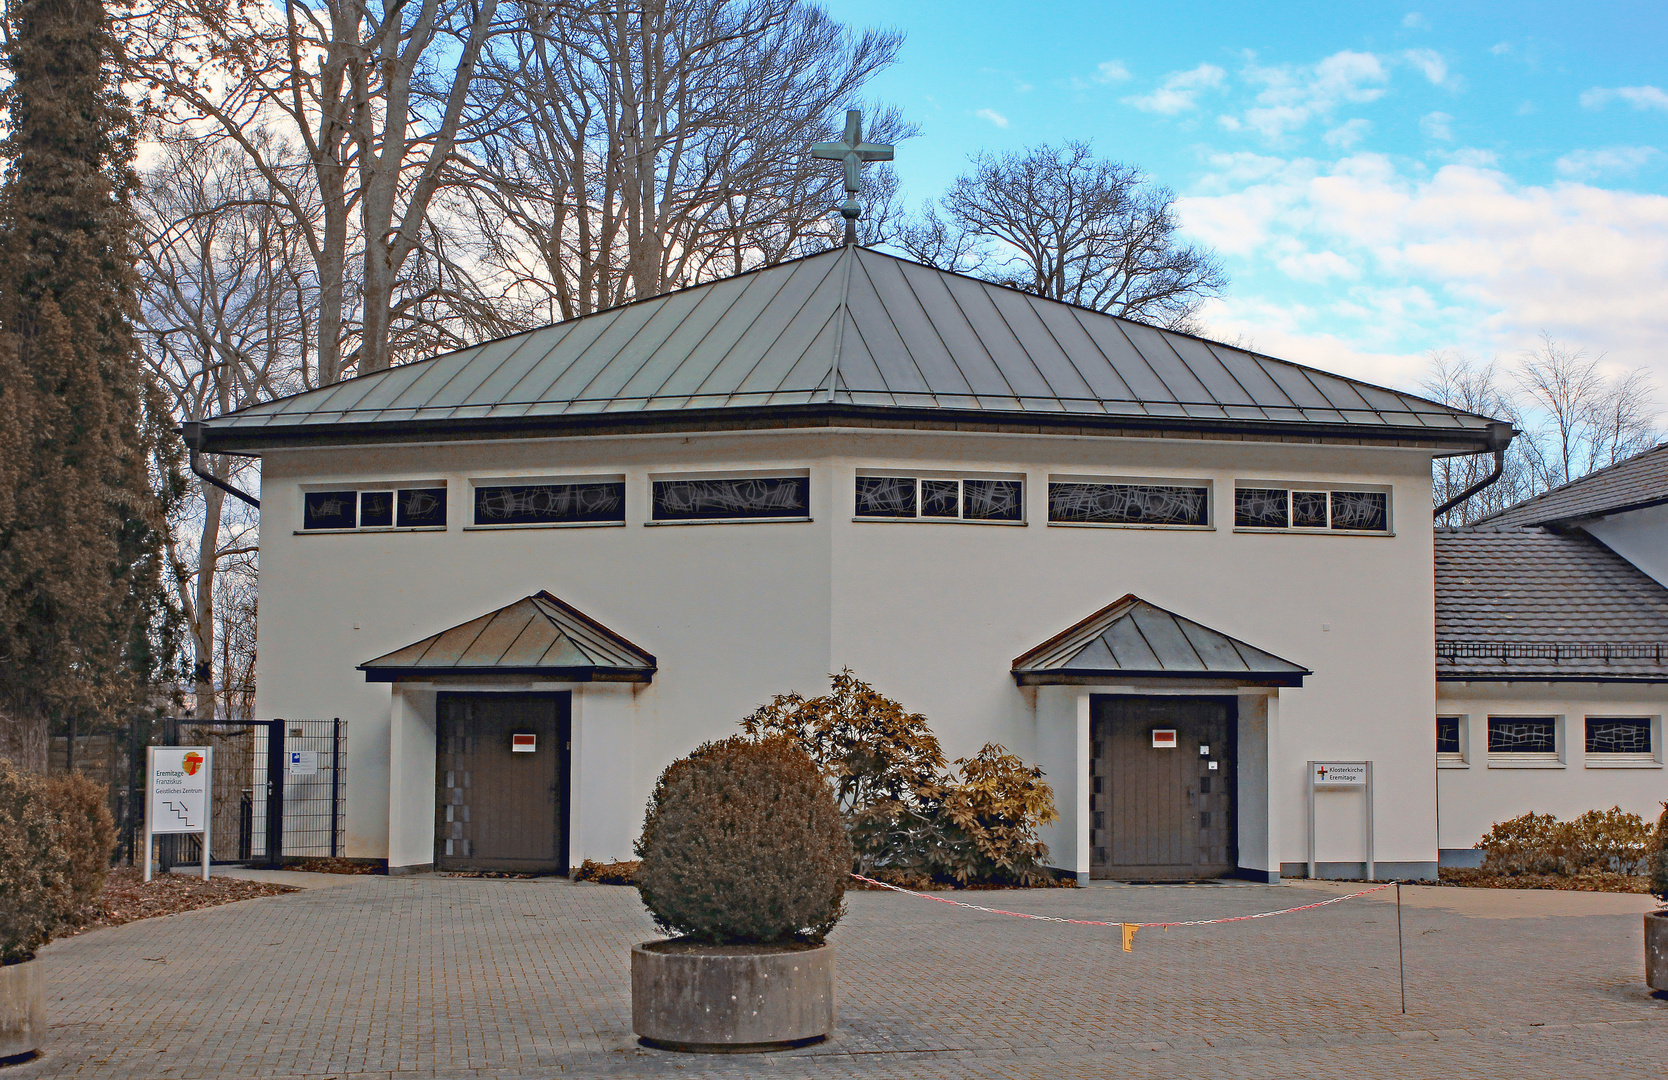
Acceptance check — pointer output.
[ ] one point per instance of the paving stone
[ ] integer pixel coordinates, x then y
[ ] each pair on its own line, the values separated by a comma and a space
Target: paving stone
441, 979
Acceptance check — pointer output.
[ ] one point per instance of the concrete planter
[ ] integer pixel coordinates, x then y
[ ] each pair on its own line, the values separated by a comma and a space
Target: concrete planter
727, 999
1656, 950
22, 1011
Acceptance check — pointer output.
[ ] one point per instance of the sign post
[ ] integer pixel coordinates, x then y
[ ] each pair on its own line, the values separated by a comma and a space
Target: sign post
1341, 776
177, 795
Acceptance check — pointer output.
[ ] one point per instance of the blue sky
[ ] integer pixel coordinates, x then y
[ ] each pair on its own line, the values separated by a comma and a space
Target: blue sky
1380, 181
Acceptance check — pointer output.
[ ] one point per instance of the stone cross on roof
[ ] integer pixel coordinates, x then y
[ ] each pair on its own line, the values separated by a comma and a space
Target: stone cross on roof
853, 151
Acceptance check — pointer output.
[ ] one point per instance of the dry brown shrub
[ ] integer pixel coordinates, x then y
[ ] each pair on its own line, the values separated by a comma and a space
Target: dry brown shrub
35, 893
743, 844
88, 835
1656, 865
1598, 842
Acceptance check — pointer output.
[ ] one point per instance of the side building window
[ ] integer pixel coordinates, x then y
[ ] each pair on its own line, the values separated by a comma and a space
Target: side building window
911, 498
1620, 738
1450, 743
1092, 503
1523, 738
752, 498
577, 503
371, 507
1331, 509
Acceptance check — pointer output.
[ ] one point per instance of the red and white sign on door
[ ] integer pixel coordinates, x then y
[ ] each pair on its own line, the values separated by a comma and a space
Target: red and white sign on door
523, 742
1164, 738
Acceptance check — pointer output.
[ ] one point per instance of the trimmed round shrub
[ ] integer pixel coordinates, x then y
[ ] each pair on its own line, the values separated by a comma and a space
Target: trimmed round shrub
1656, 863
88, 835
35, 895
742, 844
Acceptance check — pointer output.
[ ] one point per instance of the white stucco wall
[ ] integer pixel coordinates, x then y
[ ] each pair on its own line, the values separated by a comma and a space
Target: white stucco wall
930, 613
1475, 793
1639, 536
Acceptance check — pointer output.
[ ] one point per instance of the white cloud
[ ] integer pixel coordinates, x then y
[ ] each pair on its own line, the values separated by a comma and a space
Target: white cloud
1413, 20
1293, 95
1437, 125
1640, 97
993, 116
1466, 257
1503, 48
1349, 133
1430, 64
1111, 71
1610, 160
1180, 90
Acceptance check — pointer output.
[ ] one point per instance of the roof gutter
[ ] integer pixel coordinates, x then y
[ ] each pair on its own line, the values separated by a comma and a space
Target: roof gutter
193, 434
1499, 437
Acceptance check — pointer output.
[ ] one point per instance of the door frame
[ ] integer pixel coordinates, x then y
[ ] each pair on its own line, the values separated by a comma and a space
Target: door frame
1231, 700
563, 700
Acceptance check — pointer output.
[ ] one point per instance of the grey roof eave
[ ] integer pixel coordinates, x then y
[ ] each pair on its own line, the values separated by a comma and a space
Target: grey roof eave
206, 437
555, 674
1097, 677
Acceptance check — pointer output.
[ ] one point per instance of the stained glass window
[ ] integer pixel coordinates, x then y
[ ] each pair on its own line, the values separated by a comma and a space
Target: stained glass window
1629, 735
1128, 504
420, 507
1263, 508
941, 498
1309, 510
1518, 735
1280, 508
991, 500
540, 504
376, 509
886, 496
1360, 511
741, 498
966, 500
1448, 735
330, 510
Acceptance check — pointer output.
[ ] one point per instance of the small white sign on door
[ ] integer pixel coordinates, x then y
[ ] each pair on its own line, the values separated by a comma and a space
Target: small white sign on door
304, 762
179, 789
1339, 774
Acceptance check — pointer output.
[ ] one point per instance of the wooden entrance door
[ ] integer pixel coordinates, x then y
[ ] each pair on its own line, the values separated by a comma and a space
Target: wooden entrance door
495, 808
1160, 813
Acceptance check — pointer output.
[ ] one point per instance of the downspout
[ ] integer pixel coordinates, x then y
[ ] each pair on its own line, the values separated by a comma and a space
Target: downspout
193, 436
1499, 437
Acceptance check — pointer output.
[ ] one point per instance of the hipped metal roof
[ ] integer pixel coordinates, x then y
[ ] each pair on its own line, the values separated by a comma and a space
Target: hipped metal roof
1132, 638
846, 336
537, 635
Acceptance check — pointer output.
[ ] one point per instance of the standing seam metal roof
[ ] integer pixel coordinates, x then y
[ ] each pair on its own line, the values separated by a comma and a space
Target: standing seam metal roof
1131, 637
856, 327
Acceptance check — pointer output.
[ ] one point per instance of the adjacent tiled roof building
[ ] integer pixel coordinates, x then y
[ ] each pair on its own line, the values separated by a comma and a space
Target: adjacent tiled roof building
1640, 481
1531, 604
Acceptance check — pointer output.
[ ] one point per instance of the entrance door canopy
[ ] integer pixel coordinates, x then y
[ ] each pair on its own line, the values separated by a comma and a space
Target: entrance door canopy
1131, 638
537, 635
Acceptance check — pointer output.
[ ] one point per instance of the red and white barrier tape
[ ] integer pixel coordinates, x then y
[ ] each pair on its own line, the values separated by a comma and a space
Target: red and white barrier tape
1128, 928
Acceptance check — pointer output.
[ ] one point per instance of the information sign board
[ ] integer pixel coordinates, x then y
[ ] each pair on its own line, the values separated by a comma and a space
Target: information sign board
178, 795
1339, 773
304, 762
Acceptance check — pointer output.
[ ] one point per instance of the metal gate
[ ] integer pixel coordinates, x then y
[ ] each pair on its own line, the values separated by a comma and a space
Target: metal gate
279, 791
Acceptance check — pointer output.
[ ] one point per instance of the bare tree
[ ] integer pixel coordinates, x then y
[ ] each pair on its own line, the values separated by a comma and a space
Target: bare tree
227, 294
632, 150
1570, 416
350, 111
1590, 421
1058, 222
1466, 383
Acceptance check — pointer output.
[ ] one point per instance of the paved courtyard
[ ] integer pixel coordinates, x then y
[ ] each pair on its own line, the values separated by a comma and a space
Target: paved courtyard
439, 977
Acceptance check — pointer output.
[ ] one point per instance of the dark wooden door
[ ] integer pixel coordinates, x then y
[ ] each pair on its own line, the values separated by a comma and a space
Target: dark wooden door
497, 809
1155, 813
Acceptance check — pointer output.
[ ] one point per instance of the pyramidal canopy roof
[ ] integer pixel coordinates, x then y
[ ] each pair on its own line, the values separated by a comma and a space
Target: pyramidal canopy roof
845, 334
537, 635
1134, 639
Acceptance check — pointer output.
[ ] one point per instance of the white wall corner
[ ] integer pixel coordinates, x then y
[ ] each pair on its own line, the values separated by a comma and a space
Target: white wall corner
412, 762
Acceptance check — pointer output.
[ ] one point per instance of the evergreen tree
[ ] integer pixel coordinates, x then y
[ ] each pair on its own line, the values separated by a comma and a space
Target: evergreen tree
79, 546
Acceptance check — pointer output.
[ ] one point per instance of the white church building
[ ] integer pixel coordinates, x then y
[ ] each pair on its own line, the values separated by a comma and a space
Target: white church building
1173, 573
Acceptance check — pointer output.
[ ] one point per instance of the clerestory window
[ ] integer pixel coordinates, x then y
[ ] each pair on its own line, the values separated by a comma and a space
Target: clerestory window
1319, 508
374, 507
916, 498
